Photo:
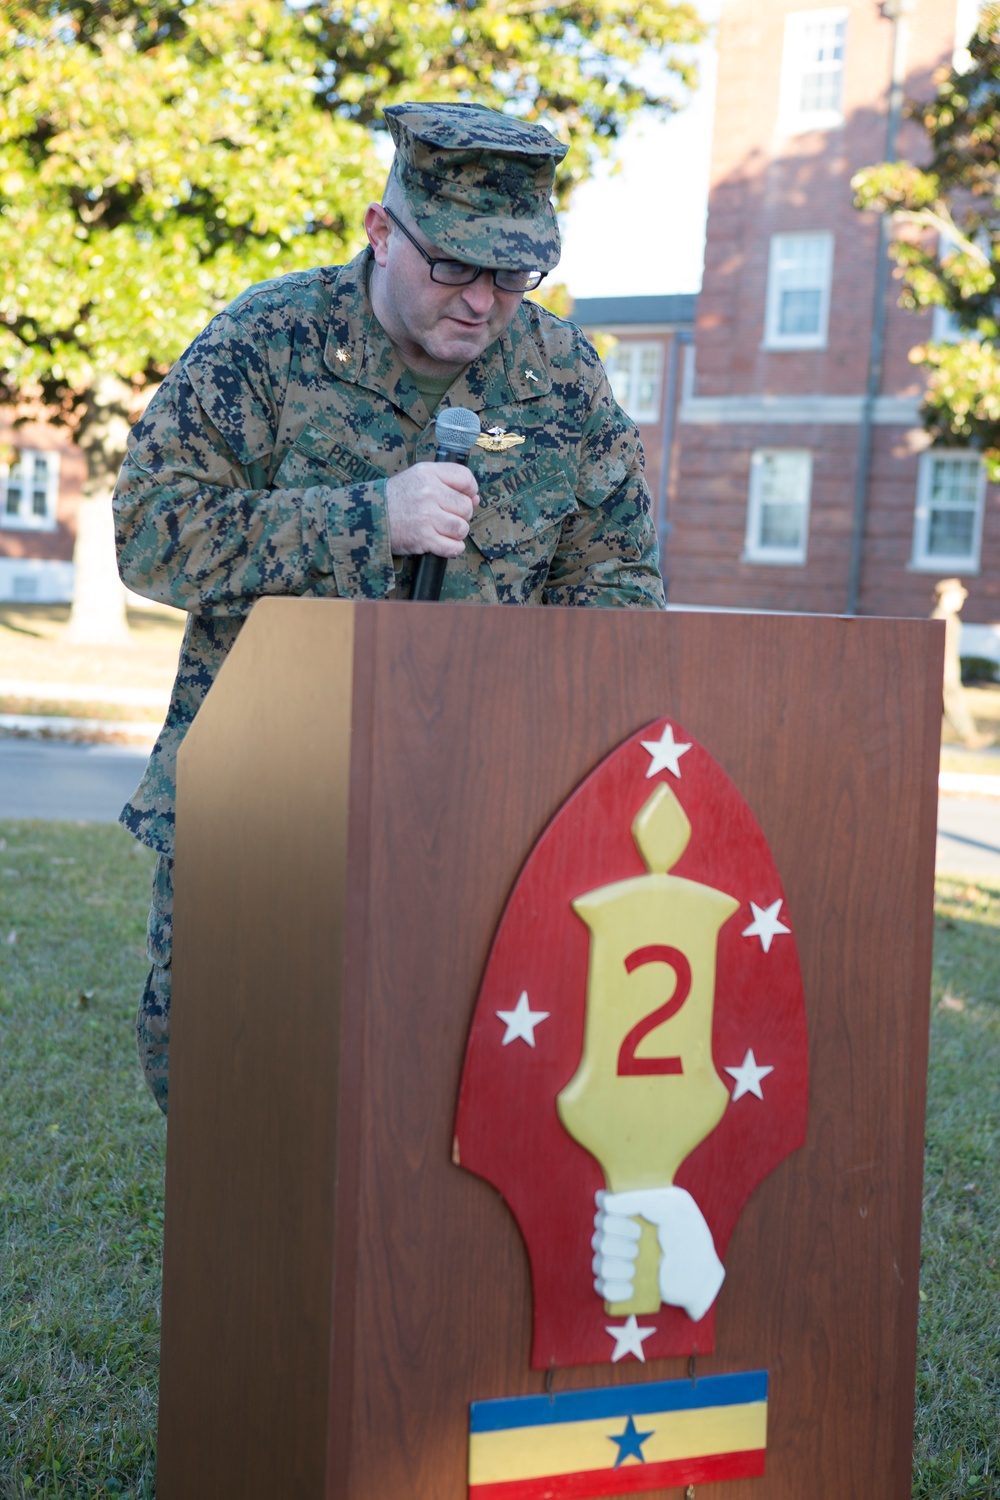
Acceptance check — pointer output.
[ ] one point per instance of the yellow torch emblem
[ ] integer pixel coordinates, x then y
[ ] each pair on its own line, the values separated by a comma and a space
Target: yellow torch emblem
646, 1092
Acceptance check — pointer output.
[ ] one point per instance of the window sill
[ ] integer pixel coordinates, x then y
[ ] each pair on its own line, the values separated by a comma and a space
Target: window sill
804, 124
33, 523
792, 345
773, 559
944, 567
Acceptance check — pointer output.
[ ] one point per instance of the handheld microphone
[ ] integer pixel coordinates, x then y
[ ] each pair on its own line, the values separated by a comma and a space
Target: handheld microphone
455, 433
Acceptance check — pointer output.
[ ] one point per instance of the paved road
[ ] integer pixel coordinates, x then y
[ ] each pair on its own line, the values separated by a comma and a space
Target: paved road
47, 780
968, 841
43, 780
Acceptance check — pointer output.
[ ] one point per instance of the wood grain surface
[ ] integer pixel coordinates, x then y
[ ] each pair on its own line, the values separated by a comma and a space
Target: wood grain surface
356, 799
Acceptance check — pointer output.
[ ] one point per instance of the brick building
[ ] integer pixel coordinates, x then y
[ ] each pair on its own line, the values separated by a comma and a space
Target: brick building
39, 489
795, 451
647, 338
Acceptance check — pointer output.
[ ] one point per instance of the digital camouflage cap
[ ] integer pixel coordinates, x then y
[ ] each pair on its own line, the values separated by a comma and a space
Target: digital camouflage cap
478, 183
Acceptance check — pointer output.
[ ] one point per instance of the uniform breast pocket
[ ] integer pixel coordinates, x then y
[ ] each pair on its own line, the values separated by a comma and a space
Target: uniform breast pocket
517, 528
316, 458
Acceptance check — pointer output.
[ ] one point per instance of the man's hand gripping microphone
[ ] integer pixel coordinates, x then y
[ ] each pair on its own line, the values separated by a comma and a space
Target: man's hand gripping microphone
455, 433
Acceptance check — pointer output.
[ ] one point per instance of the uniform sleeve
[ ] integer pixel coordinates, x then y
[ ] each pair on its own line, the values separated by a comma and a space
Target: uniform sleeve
196, 522
607, 553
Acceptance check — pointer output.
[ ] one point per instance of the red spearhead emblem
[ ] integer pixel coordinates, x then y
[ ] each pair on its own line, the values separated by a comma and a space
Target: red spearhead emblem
637, 1061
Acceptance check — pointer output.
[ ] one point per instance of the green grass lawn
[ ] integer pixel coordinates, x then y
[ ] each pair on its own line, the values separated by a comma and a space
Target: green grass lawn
957, 1450
81, 1168
81, 1179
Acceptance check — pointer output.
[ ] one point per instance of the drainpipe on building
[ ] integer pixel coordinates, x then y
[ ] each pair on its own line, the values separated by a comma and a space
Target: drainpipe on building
662, 521
896, 11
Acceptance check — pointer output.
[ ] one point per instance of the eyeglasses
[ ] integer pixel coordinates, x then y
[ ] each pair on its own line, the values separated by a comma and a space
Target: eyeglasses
458, 273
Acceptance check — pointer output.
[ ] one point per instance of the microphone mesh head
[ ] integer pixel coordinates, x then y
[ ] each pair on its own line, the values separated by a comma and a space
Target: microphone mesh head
456, 429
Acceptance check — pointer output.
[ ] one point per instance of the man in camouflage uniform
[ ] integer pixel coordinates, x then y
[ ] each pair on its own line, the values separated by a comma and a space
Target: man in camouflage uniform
290, 449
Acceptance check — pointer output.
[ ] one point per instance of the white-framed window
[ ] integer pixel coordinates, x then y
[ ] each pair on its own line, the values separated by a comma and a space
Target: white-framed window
798, 291
778, 505
948, 522
812, 71
29, 491
635, 371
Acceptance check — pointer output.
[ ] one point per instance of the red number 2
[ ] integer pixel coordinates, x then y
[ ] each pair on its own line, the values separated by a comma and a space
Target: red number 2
628, 1064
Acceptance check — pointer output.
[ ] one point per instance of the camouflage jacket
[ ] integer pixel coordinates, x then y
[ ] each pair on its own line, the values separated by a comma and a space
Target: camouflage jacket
259, 467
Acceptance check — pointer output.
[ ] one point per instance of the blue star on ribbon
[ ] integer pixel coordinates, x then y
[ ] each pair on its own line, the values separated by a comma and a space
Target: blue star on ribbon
630, 1444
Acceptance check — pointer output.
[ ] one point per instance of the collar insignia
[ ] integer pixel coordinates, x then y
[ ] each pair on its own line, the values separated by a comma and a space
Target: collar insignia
343, 356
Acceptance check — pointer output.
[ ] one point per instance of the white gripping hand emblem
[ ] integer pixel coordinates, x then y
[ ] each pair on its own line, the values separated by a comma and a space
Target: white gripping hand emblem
690, 1274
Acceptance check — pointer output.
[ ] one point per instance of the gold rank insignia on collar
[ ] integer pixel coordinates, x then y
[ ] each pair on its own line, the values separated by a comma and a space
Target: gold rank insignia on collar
497, 439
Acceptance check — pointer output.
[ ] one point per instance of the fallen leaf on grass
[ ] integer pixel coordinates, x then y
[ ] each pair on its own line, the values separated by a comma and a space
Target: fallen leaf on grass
85, 998
970, 1187
951, 1002
11, 938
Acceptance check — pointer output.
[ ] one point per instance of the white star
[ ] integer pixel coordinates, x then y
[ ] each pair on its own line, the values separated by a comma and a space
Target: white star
521, 1021
666, 753
765, 924
343, 356
748, 1076
628, 1339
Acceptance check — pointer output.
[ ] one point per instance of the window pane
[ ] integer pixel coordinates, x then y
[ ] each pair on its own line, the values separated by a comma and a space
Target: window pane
781, 525
951, 533
820, 91
39, 502
649, 371
780, 481
784, 476
15, 489
802, 259
619, 368
823, 40
954, 481
799, 311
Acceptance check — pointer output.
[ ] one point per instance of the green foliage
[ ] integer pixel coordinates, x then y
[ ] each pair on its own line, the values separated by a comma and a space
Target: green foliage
956, 196
157, 159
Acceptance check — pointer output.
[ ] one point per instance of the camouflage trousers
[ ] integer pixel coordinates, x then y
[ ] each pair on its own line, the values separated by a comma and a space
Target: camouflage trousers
152, 1026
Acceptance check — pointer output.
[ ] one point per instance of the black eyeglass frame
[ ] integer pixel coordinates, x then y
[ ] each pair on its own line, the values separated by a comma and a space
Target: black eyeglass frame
535, 278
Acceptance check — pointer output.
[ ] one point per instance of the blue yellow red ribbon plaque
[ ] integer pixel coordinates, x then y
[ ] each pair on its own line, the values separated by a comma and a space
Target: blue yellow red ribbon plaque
618, 1440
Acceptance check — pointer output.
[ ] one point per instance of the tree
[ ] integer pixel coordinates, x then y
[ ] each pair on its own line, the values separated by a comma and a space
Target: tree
956, 197
157, 158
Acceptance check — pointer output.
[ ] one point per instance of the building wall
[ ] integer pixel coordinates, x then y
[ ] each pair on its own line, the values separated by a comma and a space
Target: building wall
36, 565
767, 181
620, 325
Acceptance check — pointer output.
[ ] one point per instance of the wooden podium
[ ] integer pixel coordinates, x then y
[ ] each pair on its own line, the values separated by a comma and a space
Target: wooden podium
356, 798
